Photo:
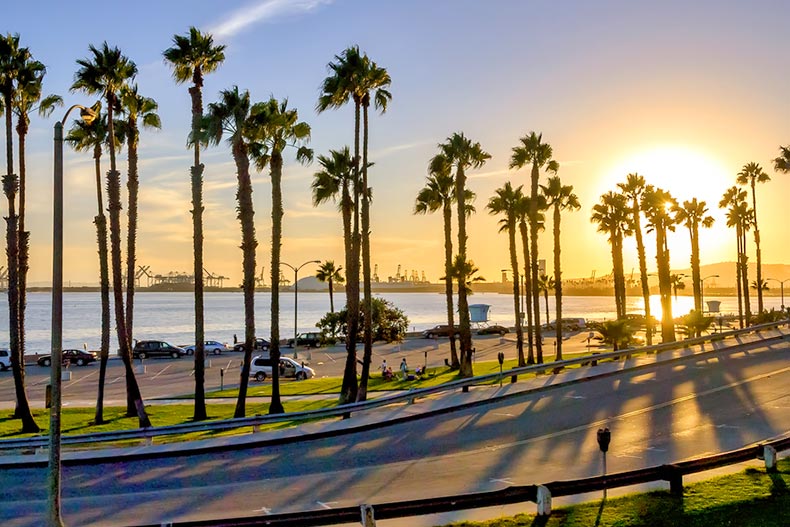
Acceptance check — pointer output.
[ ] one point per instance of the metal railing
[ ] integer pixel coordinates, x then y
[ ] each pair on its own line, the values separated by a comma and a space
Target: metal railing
146, 435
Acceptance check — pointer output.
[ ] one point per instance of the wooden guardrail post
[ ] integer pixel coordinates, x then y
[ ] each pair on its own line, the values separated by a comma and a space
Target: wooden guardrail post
769, 455
674, 476
367, 516
544, 501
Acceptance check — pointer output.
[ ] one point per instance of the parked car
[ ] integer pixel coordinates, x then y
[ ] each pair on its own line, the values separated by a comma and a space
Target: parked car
78, 357
568, 324
311, 339
5, 359
442, 330
260, 345
210, 346
496, 329
152, 348
261, 368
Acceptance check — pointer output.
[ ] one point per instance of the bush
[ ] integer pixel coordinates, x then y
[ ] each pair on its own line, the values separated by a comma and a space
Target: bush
388, 322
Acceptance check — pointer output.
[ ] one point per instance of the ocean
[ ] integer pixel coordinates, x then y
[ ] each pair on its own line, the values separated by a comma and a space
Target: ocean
170, 316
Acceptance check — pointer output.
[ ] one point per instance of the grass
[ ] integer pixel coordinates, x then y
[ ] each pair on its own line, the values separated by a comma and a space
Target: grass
751, 498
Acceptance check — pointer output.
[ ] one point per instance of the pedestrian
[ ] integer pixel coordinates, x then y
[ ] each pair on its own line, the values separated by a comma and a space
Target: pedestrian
404, 368
384, 367
235, 339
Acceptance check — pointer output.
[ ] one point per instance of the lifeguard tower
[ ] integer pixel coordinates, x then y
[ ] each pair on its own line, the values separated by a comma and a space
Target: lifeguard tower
478, 314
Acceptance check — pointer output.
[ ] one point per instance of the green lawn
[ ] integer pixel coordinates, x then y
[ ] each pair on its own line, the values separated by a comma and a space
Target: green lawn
752, 498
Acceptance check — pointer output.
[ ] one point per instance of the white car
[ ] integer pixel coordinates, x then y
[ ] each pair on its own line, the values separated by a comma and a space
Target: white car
262, 368
5, 359
210, 346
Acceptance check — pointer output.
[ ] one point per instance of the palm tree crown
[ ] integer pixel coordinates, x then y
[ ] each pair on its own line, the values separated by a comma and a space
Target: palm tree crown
193, 55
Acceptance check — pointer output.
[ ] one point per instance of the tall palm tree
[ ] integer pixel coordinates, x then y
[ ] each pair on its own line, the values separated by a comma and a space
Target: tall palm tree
545, 284
751, 174
782, 163
634, 188
143, 109
534, 152
278, 127
677, 283
337, 89
463, 154
739, 217
192, 56
657, 205
12, 60
612, 217
329, 273
439, 193
231, 116
559, 197
524, 208
693, 214
104, 74
505, 201
93, 137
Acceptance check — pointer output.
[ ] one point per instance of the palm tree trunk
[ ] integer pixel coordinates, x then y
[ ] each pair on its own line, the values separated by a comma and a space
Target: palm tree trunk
738, 280
196, 180
100, 220
640, 248
695, 270
527, 292
132, 186
447, 213
349, 388
665, 287
619, 276
248, 246
511, 232
367, 307
464, 327
23, 241
747, 308
276, 164
557, 284
135, 404
758, 252
331, 297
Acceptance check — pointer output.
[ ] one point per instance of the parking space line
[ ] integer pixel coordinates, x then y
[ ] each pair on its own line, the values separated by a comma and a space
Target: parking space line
160, 372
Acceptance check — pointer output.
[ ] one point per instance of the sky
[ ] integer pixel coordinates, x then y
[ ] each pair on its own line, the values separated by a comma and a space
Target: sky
684, 93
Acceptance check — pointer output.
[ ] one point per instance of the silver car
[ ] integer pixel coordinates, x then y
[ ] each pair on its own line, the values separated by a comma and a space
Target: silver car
210, 346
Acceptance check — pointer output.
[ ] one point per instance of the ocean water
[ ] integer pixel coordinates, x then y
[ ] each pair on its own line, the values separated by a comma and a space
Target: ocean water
170, 316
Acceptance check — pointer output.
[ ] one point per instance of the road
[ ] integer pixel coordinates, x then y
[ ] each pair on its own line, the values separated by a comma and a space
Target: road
673, 412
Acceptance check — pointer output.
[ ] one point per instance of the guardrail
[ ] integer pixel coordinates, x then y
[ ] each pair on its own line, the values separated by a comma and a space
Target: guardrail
146, 435
539, 494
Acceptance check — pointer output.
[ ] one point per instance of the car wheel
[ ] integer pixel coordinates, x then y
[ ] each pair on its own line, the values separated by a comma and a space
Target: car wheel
300, 376
431, 336
501, 332
142, 355
81, 362
215, 351
260, 376
175, 354
46, 362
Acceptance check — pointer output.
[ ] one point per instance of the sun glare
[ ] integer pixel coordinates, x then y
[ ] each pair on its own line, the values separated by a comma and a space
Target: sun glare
683, 172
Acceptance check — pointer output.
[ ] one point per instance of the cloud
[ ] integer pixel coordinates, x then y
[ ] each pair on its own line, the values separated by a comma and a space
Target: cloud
261, 12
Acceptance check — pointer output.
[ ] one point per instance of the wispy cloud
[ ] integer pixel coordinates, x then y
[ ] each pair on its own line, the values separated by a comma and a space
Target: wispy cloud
261, 12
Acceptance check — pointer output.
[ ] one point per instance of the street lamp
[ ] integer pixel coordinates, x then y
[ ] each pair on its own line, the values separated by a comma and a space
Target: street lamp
781, 289
296, 295
53, 506
702, 289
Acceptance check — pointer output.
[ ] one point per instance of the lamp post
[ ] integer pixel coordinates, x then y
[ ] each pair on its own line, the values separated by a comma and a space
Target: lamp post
296, 296
781, 289
53, 502
702, 289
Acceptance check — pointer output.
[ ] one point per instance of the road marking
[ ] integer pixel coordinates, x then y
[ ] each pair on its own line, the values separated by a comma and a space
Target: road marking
503, 414
728, 426
326, 505
506, 481
330, 357
265, 510
83, 377
160, 372
568, 396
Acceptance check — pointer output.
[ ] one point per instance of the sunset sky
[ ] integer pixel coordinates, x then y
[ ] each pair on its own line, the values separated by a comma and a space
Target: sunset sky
684, 93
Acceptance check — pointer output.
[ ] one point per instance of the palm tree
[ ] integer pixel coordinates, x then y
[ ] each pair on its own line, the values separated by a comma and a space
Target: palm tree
12, 61
524, 207
92, 137
105, 74
192, 56
693, 215
461, 152
533, 151
545, 284
739, 217
278, 127
618, 333
782, 163
231, 116
657, 205
329, 273
505, 202
677, 283
136, 107
612, 217
439, 193
634, 189
751, 174
559, 197
336, 90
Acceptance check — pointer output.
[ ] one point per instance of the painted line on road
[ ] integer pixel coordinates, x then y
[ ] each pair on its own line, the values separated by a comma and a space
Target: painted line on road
326, 505
83, 377
160, 372
504, 414
265, 510
506, 481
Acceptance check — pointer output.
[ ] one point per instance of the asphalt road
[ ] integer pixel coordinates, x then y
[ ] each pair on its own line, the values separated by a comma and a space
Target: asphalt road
673, 412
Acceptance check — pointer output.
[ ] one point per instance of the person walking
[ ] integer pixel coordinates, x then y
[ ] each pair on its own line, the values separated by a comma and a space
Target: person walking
384, 368
404, 368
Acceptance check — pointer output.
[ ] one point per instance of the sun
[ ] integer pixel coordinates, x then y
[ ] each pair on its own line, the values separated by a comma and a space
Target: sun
684, 172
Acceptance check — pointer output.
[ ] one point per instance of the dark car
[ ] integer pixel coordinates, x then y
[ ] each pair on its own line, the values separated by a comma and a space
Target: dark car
442, 330
496, 329
311, 340
78, 357
260, 345
153, 348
